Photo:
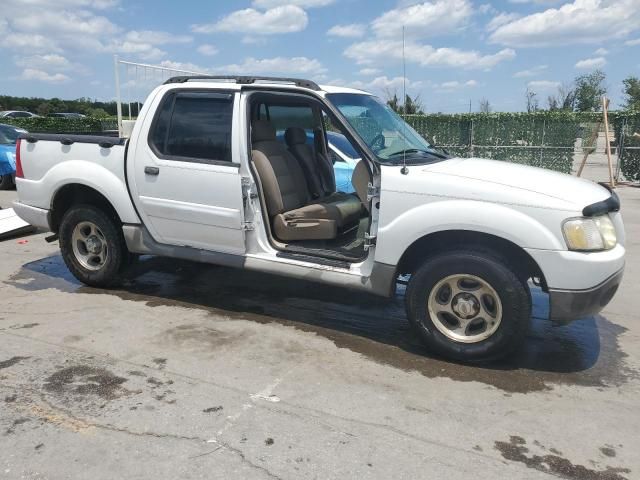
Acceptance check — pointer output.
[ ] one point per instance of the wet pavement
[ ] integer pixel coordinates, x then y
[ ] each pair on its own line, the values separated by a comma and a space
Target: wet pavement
191, 371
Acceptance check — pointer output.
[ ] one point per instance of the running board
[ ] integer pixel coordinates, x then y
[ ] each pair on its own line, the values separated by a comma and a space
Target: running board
314, 259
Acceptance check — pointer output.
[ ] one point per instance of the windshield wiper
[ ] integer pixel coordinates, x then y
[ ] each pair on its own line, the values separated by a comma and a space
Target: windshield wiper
410, 151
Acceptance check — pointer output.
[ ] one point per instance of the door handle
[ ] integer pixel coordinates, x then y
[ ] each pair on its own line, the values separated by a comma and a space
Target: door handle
151, 170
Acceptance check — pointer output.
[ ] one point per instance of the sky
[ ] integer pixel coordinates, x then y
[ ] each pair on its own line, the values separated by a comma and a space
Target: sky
456, 51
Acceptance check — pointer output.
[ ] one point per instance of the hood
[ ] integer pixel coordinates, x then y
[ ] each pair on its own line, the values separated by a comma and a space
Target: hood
500, 182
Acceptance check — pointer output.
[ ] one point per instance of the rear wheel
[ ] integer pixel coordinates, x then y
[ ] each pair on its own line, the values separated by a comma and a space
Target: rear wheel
92, 246
469, 305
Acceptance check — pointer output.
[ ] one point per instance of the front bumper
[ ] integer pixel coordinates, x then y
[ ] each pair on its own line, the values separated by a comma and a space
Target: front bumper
568, 305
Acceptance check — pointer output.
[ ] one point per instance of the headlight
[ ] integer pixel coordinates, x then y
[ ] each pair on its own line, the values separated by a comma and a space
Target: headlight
590, 233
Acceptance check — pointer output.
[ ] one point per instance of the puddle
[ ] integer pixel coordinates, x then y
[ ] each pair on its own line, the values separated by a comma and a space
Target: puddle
584, 353
516, 450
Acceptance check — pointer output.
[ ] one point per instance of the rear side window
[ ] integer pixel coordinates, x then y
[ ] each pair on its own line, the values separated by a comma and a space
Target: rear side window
194, 126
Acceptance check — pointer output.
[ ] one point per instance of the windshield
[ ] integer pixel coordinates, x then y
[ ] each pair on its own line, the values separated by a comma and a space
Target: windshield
386, 134
9, 135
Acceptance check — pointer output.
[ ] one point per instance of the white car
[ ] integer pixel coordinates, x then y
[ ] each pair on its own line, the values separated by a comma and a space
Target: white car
17, 114
204, 177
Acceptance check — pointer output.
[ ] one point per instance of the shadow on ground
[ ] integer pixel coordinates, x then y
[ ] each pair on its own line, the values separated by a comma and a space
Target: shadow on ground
583, 353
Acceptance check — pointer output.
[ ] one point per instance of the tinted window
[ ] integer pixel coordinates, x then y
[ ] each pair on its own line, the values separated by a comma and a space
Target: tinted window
283, 117
20, 115
341, 143
195, 126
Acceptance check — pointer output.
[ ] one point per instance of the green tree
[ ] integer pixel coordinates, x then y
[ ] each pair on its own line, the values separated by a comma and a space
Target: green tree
411, 106
632, 93
589, 89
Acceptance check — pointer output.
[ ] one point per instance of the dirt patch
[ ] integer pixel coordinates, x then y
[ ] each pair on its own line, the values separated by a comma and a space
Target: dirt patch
515, 450
212, 409
608, 451
15, 423
201, 338
12, 361
86, 380
26, 325
160, 362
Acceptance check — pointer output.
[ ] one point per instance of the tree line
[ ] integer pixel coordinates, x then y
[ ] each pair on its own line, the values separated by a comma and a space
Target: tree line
45, 106
584, 94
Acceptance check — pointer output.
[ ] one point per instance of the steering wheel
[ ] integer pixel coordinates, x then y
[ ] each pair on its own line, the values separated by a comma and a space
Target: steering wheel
377, 143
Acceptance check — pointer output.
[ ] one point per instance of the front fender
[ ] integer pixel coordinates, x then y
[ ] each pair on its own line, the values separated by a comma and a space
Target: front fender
504, 221
85, 173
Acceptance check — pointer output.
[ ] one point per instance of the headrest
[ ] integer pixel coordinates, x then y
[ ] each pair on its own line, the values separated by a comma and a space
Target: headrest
262, 131
295, 136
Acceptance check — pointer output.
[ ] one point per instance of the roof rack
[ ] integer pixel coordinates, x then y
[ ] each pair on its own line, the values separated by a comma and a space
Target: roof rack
246, 80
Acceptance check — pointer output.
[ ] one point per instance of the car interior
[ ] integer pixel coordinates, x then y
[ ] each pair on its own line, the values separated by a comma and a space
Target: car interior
306, 213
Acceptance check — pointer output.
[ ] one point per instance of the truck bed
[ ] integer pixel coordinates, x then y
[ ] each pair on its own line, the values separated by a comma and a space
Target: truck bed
50, 161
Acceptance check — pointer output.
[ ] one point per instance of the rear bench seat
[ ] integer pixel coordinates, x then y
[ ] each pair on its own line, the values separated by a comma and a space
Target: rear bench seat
293, 212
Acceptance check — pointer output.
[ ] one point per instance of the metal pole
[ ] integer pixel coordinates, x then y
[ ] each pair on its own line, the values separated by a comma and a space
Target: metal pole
116, 65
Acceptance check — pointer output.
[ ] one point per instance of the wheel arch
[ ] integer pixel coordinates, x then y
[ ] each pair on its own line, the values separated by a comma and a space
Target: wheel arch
76, 194
448, 240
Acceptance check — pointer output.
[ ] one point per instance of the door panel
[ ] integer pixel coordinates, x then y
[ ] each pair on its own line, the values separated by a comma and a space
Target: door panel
185, 201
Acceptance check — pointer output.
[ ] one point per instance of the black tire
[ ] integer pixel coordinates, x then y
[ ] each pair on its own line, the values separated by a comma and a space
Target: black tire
109, 274
513, 293
6, 182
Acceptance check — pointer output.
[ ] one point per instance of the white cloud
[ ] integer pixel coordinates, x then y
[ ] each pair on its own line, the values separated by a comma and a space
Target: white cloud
97, 4
582, 21
42, 76
146, 51
543, 85
381, 51
531, 72
54, 21
591, 63
283, 19
632, 43
207, 49
299, 3
501, 19
369, 71
29, 42
352, 30
424, 19
601, 52
155, 37
456, 85
44, 62
277, 65
185, 67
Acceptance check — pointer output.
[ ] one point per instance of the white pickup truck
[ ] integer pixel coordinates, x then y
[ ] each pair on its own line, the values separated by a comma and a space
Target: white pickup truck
236, 171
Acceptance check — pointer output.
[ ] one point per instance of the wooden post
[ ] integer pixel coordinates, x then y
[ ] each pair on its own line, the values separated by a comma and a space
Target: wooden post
593, 139
605, 108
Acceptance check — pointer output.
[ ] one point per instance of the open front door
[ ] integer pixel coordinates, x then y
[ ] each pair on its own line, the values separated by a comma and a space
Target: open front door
184, 182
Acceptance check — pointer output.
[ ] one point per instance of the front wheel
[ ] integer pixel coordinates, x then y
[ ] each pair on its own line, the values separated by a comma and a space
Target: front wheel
469, 305
92, 246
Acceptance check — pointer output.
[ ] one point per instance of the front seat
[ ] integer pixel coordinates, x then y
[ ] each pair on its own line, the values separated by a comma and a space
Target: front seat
292, 211
322, 185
